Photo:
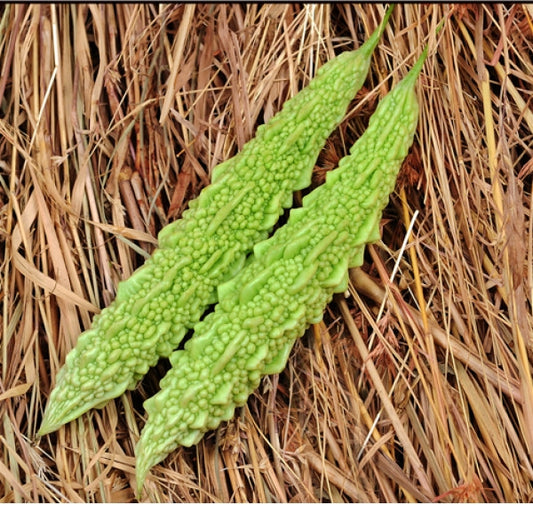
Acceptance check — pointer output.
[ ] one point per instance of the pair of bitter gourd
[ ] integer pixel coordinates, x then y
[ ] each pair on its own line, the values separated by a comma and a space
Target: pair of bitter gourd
266, 301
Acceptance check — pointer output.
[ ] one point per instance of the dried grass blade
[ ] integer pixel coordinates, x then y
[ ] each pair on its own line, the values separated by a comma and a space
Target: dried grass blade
489, 428
364, 283
185, 25
411, 454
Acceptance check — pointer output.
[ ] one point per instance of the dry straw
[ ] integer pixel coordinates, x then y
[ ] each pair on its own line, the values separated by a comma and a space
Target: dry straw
418, 384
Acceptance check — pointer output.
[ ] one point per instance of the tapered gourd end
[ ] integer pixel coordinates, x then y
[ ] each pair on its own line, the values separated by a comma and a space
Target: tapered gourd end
67, 404
417, 67
47, 427
147, 455
372, 41
57, 415
142, 467
410, 79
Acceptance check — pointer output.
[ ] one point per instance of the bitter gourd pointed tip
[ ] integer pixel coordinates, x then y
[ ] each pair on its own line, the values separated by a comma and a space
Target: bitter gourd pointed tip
66, 404
140, 476
141, 467
50, 423
44, 430
53, 420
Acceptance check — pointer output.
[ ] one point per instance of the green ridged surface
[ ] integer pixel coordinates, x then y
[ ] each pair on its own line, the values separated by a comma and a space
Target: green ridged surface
284, 287
156, 306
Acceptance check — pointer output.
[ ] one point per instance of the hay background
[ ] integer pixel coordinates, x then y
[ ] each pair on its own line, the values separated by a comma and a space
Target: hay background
415, 388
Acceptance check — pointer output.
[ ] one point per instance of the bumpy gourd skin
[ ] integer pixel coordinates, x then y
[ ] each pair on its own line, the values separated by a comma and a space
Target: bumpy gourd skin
284, 287
156, 306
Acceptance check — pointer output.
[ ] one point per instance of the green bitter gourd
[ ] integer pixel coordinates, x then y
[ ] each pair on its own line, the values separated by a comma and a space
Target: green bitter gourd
164, 298
284, 287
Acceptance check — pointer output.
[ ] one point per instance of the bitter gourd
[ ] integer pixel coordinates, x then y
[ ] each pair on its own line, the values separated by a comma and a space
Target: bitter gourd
164, 298
284, 287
